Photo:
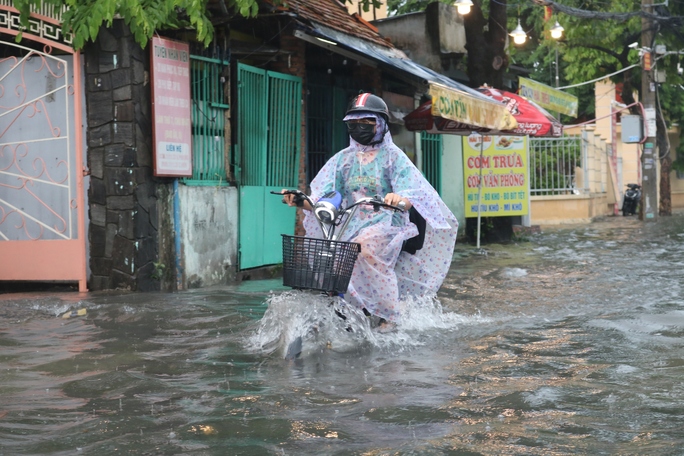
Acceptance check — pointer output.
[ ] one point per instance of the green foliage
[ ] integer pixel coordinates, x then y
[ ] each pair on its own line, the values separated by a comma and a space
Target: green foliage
83, 18
366, 4
671, 98
678, 162
592, 47
406, 6
159, 270
554, 166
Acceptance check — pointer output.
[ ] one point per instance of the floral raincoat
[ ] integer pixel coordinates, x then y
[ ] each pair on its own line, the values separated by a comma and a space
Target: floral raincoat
384, 275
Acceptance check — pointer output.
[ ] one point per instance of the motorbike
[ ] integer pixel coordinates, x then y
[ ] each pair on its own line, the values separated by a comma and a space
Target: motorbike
631, 199
324, 265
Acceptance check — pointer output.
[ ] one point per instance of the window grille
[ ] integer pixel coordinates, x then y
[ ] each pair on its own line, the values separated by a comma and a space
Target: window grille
209, 106
554, 163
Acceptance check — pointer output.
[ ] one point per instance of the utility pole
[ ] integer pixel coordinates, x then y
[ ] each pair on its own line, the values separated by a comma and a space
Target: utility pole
649, 156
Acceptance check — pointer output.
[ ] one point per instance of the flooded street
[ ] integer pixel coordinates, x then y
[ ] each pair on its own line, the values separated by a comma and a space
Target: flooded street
567, 342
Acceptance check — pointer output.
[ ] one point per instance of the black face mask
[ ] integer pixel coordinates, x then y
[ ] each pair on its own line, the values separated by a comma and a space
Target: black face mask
361, 133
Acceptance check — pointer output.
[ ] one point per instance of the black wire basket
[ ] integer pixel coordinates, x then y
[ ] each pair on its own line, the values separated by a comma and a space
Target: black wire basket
318, 264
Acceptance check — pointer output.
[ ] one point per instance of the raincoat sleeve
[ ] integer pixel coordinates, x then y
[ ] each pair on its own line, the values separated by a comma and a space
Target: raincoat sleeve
424, 271
409, 182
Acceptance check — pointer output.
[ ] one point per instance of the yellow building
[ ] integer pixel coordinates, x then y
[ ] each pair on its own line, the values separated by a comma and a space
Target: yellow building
609, 165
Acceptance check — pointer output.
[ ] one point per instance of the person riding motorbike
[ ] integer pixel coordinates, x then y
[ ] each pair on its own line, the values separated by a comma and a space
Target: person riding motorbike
390, 266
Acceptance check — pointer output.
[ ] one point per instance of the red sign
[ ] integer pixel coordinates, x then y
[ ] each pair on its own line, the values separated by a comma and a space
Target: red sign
171, 116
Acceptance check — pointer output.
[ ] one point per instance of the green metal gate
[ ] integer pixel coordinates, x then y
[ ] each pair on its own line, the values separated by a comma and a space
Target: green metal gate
431, 145
267, 158
208, 121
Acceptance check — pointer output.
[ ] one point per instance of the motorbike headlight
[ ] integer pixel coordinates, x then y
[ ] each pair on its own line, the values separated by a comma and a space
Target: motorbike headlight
325, 212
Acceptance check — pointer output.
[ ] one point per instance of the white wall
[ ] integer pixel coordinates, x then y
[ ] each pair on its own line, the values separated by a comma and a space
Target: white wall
209, 235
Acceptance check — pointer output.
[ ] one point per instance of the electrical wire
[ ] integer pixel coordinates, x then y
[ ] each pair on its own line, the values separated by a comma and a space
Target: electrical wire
598, 79
620, 17
622, 108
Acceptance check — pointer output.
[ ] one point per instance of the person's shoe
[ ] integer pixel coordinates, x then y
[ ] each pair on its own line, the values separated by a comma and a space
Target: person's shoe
375, 321
386, 327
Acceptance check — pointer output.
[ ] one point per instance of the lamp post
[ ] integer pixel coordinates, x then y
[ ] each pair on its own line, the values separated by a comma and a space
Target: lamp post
557, 78
556, 33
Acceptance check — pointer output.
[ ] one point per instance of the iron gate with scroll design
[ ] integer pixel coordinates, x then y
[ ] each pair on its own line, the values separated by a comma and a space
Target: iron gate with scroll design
42, 206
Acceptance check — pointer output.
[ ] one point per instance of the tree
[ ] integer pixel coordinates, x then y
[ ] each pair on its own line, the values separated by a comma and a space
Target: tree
83, 18
486, 37
598, 41
606, 41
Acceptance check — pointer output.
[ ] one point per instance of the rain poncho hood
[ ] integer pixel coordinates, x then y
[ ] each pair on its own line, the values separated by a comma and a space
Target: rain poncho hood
383, 274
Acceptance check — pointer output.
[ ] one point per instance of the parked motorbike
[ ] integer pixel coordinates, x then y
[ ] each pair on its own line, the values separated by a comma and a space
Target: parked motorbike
631, 199
325, 264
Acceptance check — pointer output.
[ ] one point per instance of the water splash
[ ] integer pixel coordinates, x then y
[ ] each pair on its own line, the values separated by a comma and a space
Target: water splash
297, 320
513, 272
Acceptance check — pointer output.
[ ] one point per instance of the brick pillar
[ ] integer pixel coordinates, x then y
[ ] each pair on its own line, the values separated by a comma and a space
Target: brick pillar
123, 230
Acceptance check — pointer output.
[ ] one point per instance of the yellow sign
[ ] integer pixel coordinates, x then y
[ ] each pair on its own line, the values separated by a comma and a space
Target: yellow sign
647, 61
547, 97
469, 109
505, 177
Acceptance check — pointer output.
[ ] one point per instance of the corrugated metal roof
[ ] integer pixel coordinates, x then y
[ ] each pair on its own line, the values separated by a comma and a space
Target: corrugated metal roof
330, 19
393, 59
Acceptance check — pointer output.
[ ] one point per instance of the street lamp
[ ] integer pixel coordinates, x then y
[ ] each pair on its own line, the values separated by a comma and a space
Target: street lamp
557, 31
518, 34
463, 6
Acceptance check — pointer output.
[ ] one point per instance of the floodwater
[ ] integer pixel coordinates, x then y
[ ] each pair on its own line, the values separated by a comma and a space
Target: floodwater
567, 342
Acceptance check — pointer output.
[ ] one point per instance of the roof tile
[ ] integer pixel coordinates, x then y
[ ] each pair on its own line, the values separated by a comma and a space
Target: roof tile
334, 14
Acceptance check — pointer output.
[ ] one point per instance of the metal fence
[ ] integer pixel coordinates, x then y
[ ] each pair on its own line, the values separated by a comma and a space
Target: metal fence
555, 164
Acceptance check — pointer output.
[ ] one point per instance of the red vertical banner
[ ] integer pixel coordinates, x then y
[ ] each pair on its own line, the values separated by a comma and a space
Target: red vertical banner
548, 12
171, 115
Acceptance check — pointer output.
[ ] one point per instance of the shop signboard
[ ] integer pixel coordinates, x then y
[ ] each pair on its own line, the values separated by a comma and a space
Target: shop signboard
501, 164
171, 116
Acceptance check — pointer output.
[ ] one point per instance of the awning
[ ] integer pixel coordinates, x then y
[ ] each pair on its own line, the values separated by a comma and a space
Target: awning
421, 119
458, 106
455, 101
533, 120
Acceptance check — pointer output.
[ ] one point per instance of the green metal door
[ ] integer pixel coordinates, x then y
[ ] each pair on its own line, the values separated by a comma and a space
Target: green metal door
431, 145
268, 149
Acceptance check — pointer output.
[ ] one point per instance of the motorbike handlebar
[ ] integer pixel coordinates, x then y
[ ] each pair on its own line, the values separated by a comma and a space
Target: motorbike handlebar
300, 196
333, 221
375, 201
